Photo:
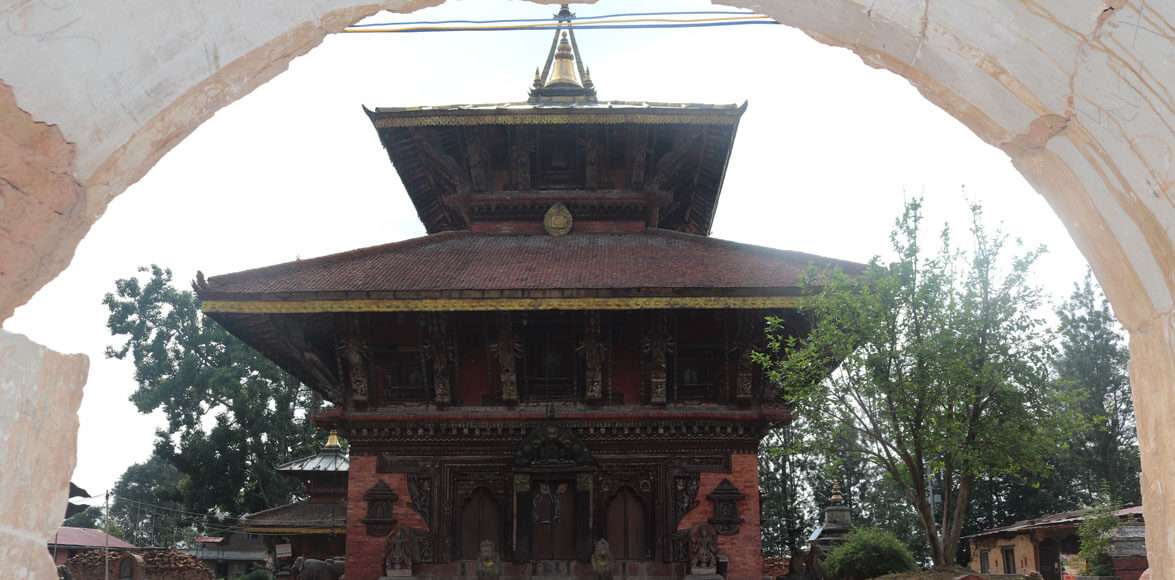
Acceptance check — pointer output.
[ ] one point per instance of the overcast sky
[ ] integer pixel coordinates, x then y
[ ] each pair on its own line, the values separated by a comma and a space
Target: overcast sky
826, 154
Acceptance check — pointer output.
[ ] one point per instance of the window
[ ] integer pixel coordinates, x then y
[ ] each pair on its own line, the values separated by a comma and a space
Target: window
626, 526
400, 374
984, 561
1009, 557
550, 357
699, 370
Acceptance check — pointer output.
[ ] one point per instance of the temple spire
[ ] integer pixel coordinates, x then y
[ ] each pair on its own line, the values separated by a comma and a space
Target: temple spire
563, 78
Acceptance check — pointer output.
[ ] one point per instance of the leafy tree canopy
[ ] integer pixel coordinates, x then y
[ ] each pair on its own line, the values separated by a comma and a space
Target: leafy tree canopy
232, 415
940, 369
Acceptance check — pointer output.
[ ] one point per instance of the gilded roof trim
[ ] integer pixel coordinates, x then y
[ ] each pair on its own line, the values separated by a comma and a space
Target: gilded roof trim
491, 304
581, 117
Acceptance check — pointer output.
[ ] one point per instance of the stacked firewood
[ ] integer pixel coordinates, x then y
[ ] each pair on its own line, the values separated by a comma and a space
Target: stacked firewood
153, 564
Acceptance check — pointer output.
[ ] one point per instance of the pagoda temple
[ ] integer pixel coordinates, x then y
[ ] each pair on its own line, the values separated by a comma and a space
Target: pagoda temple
315, 527
556, 380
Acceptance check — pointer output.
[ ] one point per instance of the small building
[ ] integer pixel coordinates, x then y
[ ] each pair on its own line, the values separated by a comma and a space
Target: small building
317, 526
1049, 545
68, 542
230, 555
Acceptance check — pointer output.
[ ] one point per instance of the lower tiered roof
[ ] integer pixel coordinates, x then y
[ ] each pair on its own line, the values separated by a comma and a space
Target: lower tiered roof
470, 271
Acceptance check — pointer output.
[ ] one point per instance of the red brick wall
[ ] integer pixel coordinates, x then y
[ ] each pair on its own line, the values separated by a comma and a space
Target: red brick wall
744, 550
365, 553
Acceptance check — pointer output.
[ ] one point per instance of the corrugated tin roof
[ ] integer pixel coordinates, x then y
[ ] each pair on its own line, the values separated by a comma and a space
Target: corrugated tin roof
333, 460
1071, 518
67, 536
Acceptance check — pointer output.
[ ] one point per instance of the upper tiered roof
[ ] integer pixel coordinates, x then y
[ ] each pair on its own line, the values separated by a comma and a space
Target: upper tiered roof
489, 167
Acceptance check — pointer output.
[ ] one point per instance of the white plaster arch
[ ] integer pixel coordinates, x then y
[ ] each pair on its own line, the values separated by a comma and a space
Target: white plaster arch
1077, 92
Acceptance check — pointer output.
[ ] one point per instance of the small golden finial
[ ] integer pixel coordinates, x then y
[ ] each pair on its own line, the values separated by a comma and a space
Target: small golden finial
837, 498
564, 71
332, 440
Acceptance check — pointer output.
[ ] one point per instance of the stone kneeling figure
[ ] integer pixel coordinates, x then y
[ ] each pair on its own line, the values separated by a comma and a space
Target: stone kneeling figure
489, 566
602, 560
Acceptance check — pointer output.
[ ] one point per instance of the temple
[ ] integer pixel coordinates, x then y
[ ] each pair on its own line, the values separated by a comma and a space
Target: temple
556, 380
315, 527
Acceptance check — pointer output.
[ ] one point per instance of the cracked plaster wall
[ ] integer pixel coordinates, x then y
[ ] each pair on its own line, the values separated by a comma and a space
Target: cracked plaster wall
1077, 92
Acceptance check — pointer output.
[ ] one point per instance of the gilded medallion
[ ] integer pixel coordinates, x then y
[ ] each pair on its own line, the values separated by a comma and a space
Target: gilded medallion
557, 221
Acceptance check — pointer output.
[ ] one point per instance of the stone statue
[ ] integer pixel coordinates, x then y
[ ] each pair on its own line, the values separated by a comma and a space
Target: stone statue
703, 550
489, 566
399, 553
602, 560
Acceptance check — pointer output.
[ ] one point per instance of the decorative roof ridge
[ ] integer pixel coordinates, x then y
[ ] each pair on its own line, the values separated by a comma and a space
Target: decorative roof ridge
332, 258
528, 106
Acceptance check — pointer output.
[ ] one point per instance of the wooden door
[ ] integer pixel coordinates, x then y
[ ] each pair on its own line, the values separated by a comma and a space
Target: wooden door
554, 520
626, 526
479, 522
1050, 560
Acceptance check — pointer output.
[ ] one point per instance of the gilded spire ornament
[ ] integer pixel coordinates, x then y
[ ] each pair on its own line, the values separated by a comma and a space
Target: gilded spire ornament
563, 77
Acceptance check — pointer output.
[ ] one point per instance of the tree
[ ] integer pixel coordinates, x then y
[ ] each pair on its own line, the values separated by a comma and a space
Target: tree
785, 506
1092, 369
868, 553
232, 415
940, 368
1097, 537
91, 517
148, 503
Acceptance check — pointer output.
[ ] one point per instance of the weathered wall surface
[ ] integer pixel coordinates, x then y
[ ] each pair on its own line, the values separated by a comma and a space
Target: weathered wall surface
40, 392
1077, 92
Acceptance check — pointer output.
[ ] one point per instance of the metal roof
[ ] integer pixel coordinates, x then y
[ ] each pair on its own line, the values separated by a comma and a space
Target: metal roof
333, 460
1068, 519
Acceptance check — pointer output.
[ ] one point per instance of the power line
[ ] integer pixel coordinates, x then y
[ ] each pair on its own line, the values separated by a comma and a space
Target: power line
556, 19
741, 19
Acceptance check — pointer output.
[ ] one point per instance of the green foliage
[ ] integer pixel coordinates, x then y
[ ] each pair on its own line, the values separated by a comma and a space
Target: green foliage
255, 574
1097, 533
940, 368
148, 502
1092, 370
91, 517
784, 470
868, 553
232, 415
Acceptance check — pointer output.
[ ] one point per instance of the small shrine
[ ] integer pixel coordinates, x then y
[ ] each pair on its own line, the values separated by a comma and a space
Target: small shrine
557, 379
315, 527
835, 526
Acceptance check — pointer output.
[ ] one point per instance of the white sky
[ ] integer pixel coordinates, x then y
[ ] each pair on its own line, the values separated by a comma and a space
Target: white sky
825, 155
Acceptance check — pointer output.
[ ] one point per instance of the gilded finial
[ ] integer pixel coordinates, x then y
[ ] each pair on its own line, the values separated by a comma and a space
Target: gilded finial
332, 440
538, 78
564, 71
836, 498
